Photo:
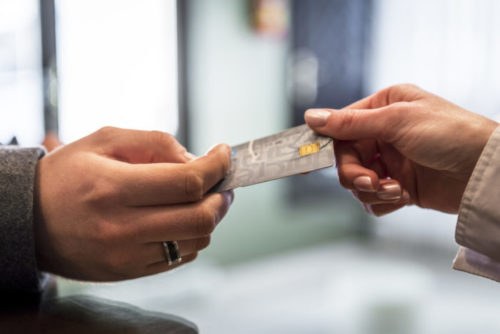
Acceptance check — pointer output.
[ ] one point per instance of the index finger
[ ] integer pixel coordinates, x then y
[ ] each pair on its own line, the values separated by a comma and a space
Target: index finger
387, 96
167, 183
352, 173
137, 146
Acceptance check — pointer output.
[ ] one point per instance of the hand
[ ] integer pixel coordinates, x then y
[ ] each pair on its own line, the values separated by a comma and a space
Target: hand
404, 146
106, 202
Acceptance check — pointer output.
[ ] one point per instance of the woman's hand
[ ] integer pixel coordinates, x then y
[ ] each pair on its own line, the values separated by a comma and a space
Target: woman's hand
404, 146
106, 202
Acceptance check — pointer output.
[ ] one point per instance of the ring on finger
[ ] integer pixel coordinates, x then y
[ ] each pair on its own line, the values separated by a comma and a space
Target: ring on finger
171, 252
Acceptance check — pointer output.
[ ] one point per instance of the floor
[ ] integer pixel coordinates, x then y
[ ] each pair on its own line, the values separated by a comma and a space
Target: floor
349, 287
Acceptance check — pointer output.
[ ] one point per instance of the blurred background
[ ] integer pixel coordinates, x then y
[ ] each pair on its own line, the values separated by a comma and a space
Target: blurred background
292, 256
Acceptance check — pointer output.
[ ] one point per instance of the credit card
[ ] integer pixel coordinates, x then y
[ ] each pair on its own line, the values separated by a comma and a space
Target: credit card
293, 151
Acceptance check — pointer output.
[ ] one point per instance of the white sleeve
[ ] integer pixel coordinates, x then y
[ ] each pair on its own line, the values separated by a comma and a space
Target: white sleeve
476, 263
478, 226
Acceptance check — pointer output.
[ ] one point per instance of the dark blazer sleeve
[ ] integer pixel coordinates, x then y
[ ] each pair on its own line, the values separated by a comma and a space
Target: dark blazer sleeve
18, 269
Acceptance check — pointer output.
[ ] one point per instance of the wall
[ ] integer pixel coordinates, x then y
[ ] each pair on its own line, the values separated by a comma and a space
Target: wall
237, 93
450, 48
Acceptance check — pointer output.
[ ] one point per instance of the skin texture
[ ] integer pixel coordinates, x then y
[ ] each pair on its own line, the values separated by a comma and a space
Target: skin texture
105, 203
411, 146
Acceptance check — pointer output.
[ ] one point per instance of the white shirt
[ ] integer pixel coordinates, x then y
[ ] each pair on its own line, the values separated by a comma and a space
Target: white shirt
478, 226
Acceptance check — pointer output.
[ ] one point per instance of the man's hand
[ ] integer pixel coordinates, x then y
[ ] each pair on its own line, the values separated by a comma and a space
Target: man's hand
106, 202
403, 146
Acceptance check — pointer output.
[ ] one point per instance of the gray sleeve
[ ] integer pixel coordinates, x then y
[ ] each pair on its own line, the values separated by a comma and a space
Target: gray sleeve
18, 269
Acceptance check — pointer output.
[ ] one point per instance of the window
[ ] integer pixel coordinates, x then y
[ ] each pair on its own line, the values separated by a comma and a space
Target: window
117, 64
21, 101
329, 48
450, 48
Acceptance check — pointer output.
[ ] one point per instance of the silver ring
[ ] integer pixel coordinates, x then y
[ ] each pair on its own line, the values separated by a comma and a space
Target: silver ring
171, 252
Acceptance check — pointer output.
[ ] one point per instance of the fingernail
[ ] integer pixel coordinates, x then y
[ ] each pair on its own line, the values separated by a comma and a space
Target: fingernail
190, 156
364, 183
389, 192
317, 117
230, 195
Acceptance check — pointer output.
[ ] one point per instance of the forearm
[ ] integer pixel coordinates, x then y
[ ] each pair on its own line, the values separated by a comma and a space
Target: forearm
17, 250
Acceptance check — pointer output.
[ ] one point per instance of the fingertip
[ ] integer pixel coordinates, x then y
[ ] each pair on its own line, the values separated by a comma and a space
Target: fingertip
224, 148
364, 183
220, 202
229, 196
228, 149
317, 117
354, 176
390, 191
227, 161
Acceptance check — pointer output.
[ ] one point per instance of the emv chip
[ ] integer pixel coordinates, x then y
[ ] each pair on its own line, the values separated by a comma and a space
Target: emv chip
308, 149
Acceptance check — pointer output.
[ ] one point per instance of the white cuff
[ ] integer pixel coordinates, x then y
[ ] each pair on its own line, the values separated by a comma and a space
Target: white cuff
476, 263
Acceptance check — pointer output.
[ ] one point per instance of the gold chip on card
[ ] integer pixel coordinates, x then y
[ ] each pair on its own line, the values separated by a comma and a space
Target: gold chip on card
275, 156
308, 149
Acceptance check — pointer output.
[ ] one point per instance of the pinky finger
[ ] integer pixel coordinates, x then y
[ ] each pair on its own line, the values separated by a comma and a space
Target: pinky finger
384, 209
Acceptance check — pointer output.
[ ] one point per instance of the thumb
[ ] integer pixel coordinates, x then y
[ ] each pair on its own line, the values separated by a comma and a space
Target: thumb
352, 124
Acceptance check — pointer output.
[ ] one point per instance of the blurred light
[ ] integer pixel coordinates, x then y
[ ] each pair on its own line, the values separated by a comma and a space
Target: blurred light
304, 69
20, 72
117, 65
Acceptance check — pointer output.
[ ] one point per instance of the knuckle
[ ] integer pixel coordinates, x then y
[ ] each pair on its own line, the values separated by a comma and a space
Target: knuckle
161, 137
402, 87
106, 233
400, 92
117, 266
193, 186
397, 112
107, 134
106, 131
205, 224
407, 86
396, 117
99, 193
391, 94
347, 120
